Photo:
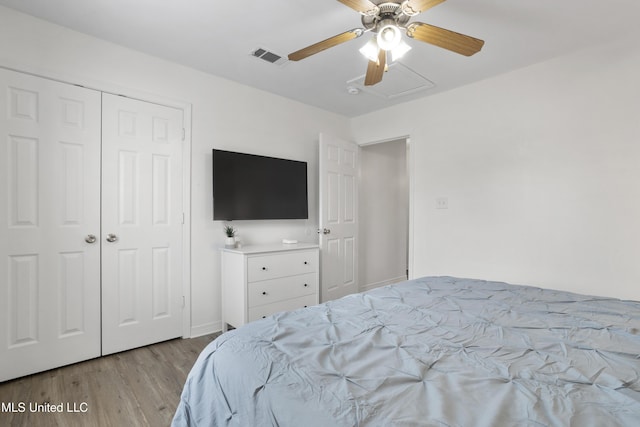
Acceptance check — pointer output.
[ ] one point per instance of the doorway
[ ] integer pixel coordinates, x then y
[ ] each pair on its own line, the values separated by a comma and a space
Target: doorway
384, 214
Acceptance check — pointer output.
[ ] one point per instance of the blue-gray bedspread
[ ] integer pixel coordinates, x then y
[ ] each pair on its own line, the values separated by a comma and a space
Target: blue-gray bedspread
436, 351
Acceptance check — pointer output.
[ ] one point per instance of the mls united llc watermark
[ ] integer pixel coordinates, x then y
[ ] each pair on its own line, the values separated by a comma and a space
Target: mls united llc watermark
46, 407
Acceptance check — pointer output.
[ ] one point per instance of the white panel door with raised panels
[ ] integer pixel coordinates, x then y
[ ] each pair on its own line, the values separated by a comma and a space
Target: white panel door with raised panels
142, 223
49, 224
338, 217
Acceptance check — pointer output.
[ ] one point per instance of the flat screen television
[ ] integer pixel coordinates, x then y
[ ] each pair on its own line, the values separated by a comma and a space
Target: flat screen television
252, 187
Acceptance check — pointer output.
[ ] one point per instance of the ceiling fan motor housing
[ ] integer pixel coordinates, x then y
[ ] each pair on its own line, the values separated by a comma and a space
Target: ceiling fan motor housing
389, 13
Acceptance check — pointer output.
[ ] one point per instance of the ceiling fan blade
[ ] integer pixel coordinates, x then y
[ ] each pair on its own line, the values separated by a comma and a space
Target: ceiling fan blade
375, 70
365, 7
450, 40
325, 44
414, 7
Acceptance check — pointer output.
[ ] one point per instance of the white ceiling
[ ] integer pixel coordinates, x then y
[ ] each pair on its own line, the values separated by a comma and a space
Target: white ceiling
217, 37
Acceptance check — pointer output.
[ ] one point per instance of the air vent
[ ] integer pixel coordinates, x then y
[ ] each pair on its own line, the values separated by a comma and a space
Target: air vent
268, 56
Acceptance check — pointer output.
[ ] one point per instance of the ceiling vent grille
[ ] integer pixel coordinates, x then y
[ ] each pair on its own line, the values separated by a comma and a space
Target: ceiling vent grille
268, 56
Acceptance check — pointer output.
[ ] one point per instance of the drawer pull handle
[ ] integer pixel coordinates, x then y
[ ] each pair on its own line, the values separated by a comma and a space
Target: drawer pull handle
264, 293
305, 285
306, 306
305, 263
264, 268
264, 317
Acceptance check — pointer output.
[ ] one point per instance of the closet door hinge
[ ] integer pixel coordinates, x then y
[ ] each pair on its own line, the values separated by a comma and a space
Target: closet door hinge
184, 134
183, 301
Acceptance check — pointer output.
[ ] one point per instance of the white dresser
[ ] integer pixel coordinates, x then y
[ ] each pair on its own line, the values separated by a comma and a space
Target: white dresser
265, 279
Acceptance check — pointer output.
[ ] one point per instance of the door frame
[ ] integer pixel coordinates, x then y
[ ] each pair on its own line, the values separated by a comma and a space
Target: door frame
411, 177
186, 107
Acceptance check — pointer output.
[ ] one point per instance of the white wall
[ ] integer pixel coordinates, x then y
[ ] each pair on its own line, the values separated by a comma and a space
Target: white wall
384, 214
541, 167
224, 115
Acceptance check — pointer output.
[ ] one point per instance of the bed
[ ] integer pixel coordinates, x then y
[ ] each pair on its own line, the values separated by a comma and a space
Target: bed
435, 351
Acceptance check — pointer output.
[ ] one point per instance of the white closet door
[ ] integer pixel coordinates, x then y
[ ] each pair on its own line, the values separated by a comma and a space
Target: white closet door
49, 208
141, 223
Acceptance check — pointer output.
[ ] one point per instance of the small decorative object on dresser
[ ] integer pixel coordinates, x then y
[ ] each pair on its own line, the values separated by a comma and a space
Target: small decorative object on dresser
258, 281
230, 241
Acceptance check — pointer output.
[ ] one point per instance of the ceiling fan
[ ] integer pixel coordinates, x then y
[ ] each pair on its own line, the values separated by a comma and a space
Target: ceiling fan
387, 19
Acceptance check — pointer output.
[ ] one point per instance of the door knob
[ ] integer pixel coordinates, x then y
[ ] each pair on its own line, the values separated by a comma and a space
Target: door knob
111, 238
326, 231
90, 238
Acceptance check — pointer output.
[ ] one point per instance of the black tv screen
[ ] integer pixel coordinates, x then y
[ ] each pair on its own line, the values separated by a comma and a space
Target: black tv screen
250, 187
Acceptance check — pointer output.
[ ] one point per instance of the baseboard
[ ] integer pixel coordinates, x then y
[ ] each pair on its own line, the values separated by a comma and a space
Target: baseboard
206, 329
371, 286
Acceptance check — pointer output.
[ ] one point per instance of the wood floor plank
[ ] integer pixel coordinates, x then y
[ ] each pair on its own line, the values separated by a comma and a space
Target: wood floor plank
139, 387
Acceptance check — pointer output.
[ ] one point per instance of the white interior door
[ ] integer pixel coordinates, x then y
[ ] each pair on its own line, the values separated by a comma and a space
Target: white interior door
142, 223
49, 208
338, 217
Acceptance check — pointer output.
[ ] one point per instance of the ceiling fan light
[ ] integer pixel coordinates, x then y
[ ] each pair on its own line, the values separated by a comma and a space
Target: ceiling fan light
389, 36
370, 50
399, 51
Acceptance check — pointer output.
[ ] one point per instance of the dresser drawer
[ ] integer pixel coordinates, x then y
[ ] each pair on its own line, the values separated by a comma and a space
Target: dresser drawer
265, 267
262, 311
270, 291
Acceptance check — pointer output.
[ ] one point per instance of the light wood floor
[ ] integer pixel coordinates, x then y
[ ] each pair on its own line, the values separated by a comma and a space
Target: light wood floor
140, 387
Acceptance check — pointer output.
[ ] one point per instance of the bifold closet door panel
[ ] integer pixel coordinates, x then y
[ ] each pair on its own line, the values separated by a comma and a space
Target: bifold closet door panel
141, 222
49, 224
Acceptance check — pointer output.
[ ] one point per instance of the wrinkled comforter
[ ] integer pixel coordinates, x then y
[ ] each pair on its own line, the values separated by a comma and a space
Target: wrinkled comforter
436, 351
